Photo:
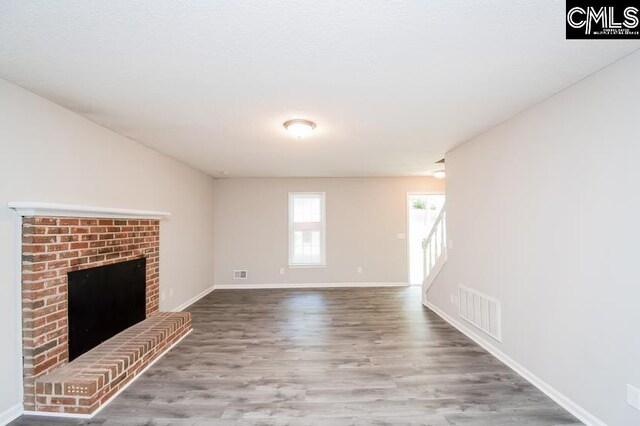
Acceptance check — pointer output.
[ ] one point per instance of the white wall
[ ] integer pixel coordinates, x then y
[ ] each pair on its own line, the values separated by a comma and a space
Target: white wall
544, 214
364, 217
48, 153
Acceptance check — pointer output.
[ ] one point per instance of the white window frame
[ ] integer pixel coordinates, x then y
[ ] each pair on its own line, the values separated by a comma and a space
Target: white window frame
323, 232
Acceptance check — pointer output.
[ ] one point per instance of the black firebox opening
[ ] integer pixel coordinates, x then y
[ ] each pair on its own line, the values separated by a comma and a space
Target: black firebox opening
103, 301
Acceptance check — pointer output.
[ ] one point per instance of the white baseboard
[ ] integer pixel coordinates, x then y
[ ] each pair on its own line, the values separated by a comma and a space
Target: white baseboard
10, 414
89, 416
245, 286
193, 300
562, 400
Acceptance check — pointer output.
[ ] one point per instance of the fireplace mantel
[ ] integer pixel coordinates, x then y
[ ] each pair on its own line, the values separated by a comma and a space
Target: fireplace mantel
30, 209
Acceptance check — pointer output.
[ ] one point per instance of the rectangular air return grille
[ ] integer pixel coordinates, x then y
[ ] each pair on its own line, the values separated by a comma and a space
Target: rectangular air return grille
240, 275
481, 310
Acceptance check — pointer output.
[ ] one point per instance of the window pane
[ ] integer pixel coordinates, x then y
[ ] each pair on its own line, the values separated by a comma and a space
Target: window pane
306, 209
307, 247
300, 209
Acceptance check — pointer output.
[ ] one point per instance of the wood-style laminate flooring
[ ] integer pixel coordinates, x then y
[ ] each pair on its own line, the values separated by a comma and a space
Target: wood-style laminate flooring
329, 357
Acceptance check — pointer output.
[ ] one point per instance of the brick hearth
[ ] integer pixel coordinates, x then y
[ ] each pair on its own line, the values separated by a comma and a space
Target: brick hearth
85, 384
54, 246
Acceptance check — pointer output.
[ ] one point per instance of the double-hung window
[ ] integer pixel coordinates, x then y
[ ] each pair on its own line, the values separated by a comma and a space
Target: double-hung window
306, 229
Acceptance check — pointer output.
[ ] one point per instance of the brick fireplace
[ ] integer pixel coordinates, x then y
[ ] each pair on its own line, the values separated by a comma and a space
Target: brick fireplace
52, 247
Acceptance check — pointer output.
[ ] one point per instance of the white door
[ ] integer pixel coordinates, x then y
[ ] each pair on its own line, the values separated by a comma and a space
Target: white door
422, 211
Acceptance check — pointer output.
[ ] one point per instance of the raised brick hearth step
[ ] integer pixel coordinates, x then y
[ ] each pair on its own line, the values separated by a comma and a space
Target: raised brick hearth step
87, 382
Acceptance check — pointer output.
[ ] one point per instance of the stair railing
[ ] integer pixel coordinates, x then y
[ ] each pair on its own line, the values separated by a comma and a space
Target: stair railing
435, 248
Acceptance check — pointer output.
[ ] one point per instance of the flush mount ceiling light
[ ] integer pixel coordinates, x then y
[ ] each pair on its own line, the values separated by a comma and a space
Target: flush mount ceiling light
439, 174
299, 127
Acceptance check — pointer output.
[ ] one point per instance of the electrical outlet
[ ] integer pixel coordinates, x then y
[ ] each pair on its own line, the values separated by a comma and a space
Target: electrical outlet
162, 296
454, 300
633, 396
359, 269
281, 271
171, 292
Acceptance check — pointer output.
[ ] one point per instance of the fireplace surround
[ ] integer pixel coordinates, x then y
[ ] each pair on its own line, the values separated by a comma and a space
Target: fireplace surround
61, 240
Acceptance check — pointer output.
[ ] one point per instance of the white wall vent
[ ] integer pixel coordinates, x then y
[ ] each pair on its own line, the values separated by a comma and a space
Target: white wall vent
240, 275
480, 310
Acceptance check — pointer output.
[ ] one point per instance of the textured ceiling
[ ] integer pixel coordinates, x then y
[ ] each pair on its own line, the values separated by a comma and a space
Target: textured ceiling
392, 85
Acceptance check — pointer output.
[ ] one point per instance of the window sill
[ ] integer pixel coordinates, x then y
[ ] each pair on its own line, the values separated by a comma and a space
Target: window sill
307, 266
